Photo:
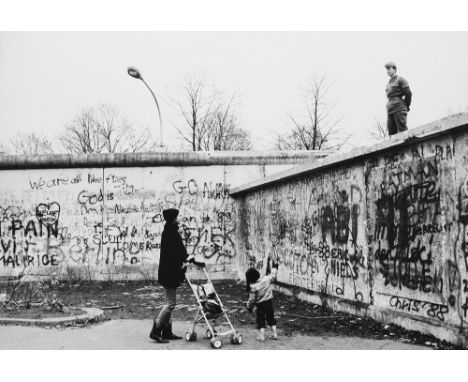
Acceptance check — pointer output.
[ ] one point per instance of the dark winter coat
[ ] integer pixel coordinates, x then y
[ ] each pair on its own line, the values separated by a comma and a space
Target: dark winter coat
173, 255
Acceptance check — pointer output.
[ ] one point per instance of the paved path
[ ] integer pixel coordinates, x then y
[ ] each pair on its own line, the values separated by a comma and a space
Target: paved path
133, 334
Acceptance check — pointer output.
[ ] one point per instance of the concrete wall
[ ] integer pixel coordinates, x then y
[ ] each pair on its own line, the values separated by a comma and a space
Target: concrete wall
381, 232
100, 216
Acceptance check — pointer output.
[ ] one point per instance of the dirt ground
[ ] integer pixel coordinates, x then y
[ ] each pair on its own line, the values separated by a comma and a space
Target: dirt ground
143, 300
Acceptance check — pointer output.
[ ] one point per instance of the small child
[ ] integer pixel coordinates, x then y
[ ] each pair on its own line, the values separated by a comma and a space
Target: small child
261, 295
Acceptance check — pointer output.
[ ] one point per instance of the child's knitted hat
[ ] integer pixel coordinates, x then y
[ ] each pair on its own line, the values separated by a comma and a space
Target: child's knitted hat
252, 275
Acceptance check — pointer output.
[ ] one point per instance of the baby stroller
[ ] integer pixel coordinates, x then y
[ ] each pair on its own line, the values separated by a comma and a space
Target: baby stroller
210, 309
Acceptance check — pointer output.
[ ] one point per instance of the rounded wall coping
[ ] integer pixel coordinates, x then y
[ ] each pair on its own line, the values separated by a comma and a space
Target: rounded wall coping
158, 159
422, 133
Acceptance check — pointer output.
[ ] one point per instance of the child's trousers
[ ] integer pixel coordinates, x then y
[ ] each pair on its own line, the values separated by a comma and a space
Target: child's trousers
265, 314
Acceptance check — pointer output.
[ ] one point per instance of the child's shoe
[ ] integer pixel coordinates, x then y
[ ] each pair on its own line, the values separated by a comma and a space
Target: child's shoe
261, 335
274, 336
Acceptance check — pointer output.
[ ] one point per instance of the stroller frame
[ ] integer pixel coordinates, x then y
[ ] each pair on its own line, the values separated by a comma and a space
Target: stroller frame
211, 332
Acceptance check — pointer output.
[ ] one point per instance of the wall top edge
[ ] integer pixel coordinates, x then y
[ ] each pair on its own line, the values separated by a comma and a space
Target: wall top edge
188, 158
443, 126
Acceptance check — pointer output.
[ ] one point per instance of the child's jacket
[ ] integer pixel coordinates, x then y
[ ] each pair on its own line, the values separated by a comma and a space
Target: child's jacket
262, 290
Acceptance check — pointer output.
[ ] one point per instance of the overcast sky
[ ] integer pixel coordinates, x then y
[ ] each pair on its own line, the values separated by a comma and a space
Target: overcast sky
47, 78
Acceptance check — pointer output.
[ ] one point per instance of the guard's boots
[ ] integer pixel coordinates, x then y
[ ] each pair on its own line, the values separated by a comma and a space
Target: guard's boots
156, 334
168, 335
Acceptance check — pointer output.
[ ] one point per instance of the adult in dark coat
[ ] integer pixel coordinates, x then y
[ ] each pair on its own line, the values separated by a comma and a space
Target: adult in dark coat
172, 266
173, 255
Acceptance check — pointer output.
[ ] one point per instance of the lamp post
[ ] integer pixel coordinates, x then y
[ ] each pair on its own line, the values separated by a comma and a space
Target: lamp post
135, 73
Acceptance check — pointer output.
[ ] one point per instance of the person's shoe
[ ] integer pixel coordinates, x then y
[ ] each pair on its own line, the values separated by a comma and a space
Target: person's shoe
156, 334
168, 335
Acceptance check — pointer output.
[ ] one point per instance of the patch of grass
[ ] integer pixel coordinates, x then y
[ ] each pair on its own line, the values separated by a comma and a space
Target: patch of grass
38, 312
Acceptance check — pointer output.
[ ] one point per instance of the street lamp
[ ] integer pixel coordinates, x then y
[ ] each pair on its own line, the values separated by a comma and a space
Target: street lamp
135, 73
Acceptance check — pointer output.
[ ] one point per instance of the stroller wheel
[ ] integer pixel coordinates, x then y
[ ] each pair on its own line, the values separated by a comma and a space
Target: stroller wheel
236, 340
190, 336
216, 343
209, 335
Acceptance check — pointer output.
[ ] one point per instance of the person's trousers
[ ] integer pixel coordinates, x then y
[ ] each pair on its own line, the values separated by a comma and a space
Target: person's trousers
396, 122
164, 316
265, 314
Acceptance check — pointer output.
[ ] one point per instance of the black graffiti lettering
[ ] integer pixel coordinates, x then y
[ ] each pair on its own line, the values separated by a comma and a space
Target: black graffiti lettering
10, 260
216, 191
86, 198
342, 269
180, 186
328, 223
37, 185
452, 300
50, 183
465, 287
465, 307
94, 179
30, 229
444, 152
408, 268
6, 246
47, 260
432, 310
16, 225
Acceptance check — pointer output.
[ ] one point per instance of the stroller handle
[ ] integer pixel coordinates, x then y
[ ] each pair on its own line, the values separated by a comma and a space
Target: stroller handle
198, 264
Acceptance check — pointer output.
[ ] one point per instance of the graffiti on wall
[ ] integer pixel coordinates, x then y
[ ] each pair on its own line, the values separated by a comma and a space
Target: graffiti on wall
313, 228
416, 233
108, 222
461, 245
22, 233
390, 231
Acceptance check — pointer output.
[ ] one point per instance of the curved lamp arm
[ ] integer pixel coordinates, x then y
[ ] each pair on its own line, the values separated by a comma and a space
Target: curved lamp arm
135, 73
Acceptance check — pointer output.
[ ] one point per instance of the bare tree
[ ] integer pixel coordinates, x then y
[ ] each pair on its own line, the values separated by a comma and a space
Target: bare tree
210, 122
139, 141
3, 149
82, 134
224, 133
378, 131
101, 130
317, 130
109, 129
30, 144
196, 110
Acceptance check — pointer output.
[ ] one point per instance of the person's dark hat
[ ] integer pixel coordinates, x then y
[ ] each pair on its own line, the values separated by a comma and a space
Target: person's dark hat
170, 214
390, 64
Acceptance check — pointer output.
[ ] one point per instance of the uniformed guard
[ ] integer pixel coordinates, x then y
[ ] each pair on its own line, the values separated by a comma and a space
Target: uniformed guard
399, 100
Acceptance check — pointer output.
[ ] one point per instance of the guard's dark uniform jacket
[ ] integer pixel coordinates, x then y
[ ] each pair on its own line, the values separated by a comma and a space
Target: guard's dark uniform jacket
399, 100
396, 89
173, 255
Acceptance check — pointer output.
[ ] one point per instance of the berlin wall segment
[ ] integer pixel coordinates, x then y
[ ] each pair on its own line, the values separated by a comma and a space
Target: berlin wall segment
314, 227
109, 220
106, 223
387, 232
